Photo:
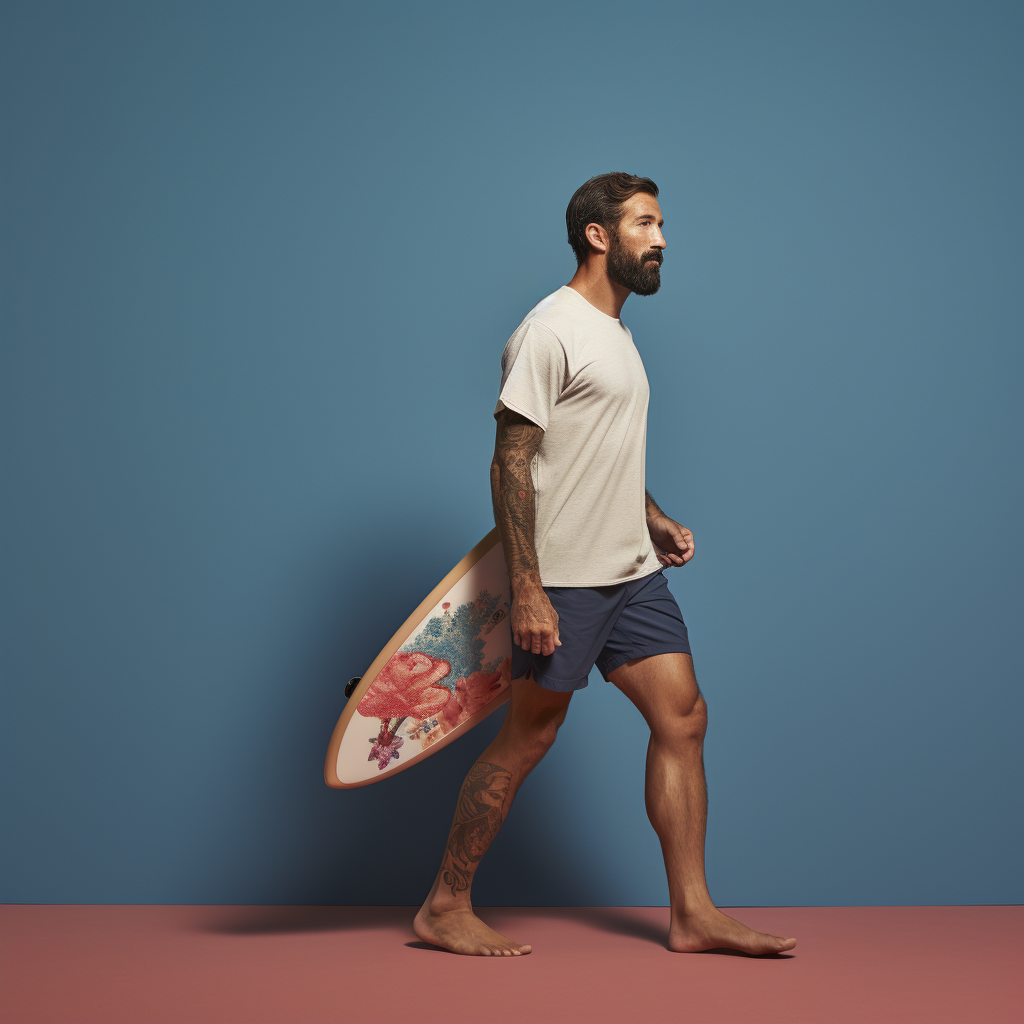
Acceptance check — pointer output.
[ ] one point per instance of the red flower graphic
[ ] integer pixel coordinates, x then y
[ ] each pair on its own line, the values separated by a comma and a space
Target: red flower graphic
472, 694
406, 686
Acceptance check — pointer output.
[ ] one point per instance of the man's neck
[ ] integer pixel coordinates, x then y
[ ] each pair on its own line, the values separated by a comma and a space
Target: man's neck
591, 280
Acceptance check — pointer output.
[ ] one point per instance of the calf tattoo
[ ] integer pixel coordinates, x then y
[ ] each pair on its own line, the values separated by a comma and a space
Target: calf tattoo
478, 816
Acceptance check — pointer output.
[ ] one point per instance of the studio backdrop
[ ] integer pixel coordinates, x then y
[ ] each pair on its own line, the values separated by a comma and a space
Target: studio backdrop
260, 262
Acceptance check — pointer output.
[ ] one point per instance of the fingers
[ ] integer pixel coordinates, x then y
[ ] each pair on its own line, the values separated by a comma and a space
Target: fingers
684, 543
535, 623
682, 540
542, 642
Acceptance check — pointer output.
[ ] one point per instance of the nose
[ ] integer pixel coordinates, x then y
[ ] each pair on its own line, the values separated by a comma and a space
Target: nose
659, 242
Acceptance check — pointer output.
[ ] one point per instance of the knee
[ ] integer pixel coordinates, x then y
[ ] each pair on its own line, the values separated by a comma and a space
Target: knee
541, 734
685, 725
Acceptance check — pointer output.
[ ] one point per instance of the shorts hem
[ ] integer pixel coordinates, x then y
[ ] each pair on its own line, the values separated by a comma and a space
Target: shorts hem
561, 685
642, 652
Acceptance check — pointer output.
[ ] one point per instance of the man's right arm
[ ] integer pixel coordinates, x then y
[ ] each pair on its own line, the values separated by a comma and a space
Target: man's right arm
534, 621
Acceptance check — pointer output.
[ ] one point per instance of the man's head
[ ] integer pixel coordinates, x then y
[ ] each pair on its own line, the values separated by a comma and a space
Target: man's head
616, 218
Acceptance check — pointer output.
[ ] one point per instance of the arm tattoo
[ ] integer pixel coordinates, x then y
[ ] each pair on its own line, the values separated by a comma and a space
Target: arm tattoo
652, 506
517, 442
481, 810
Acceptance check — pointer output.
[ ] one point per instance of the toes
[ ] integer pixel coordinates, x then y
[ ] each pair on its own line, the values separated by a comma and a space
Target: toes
505, 950
491, 950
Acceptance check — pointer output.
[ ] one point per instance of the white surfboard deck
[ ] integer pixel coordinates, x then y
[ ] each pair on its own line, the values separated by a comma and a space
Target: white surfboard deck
445, 670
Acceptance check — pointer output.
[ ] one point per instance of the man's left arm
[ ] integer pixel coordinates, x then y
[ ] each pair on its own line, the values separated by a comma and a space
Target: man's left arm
674, 543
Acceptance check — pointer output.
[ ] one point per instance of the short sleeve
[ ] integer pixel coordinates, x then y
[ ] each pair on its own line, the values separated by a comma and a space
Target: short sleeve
533, 369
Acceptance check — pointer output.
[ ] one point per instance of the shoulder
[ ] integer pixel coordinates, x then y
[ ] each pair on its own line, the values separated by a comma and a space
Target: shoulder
547, 326
555, 313
536, 341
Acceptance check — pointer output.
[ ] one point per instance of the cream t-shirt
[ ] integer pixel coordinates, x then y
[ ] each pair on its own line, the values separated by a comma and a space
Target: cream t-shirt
575, 372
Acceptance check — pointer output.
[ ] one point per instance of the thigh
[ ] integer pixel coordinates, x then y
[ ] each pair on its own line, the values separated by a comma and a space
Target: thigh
660, 685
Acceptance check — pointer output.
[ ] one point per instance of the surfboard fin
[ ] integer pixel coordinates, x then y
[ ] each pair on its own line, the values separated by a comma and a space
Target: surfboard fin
351, 685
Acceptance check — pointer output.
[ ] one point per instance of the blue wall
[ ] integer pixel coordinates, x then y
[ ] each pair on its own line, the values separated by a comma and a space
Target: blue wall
261, 261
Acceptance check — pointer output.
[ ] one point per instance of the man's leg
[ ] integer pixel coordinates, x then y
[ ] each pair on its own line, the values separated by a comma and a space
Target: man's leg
446, 917
664, 689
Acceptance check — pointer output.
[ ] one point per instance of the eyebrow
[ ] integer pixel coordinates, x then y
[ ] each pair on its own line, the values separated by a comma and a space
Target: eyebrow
650, 216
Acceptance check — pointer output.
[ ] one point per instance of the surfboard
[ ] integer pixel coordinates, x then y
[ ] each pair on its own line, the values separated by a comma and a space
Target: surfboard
445, 670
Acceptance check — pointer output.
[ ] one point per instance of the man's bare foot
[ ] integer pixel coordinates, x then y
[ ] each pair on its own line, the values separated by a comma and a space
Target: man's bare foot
461, 931
715, 930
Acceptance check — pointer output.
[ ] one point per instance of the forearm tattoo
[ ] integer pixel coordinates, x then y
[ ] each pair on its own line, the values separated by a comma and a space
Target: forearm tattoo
478, 816
518, 441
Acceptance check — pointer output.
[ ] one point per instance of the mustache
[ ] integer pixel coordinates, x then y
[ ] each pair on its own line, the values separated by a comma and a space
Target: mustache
654, 254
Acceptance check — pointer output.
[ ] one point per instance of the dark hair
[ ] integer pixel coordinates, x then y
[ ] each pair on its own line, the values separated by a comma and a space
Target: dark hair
599, 201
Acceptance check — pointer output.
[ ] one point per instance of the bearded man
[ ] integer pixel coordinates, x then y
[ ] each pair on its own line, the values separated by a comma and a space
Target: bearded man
586, 547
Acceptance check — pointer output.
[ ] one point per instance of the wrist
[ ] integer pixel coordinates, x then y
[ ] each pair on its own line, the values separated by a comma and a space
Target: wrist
523, 586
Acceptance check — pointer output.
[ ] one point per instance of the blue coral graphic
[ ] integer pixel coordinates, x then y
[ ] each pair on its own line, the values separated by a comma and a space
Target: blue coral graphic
457, 637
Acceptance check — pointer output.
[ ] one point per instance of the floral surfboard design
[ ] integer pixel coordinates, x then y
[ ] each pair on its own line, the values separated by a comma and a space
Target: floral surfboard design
444, 671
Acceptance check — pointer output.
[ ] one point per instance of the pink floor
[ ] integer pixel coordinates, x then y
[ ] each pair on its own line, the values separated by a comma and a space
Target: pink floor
183, 964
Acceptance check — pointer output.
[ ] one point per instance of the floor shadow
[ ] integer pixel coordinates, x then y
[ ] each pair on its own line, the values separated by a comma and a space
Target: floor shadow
277, 920
268, 920
620, 921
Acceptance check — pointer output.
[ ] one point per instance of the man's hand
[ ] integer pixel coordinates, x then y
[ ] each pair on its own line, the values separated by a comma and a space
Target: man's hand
674, 543
534, 621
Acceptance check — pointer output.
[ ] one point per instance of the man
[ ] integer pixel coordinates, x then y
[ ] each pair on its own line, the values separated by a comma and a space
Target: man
586, 547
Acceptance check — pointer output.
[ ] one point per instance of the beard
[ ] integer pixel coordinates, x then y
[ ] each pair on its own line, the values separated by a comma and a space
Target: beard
634, 272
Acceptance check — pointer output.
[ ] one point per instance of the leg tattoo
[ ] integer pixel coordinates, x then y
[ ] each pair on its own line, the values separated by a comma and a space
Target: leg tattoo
478, 816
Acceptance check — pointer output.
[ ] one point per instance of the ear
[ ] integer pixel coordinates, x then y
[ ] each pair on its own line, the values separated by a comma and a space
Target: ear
597, 236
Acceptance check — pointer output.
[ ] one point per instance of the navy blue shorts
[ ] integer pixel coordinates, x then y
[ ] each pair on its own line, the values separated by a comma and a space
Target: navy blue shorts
606, 626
